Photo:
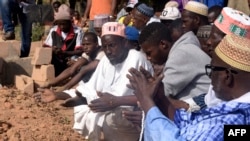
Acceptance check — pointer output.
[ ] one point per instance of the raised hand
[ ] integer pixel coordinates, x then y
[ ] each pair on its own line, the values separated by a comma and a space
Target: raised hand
144, 88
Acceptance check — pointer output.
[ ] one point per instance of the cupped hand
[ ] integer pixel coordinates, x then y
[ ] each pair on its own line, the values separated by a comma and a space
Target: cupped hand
104, 103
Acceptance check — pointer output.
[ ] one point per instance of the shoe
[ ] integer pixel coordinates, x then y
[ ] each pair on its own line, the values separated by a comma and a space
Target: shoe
8, 36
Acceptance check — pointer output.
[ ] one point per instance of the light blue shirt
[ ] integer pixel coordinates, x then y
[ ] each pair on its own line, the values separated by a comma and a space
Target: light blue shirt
160, 128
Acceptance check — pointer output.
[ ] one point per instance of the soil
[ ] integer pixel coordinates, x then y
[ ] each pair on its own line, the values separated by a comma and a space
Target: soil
23, 119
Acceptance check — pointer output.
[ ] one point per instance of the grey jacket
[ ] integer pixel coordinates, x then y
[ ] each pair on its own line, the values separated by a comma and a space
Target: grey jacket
184, 71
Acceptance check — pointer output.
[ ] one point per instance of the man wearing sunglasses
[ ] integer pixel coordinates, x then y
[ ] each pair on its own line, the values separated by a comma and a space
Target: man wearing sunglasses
229, 71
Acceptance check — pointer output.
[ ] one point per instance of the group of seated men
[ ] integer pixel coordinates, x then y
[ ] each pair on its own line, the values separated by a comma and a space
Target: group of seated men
184, 93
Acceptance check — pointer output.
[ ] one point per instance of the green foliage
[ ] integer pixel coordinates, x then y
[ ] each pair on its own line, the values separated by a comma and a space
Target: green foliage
37, 32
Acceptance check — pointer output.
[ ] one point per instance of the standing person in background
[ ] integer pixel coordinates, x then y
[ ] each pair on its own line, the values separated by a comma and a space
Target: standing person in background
125, 16
56, 5
9, 7
76, 19
97, 7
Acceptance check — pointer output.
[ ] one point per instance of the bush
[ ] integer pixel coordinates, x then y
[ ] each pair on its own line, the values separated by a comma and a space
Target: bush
37, 32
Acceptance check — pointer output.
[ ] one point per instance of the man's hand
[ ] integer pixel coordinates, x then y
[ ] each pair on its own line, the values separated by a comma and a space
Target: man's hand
134, 116
75, 101
57, 50
45, 95
84, 22
104, 103
144, 86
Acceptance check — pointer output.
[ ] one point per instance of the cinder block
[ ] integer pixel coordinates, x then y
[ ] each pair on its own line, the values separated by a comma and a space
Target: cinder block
17, 66
10, 49
39, 83
43, 72
33, 47
24, 83
42, 56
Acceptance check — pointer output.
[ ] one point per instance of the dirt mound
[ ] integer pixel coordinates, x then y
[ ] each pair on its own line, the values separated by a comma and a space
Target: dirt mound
23, 119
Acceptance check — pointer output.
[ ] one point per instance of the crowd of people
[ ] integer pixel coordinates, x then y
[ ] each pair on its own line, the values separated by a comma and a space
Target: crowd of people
181, 74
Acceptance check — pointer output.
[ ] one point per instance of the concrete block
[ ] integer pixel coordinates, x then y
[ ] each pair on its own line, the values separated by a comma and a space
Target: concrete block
17, 66
33, 47
10, 49
38, 84
24, 83
43, 72
42, 56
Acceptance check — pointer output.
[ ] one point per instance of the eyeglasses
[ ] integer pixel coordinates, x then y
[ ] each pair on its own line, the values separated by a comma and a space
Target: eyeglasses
210, 69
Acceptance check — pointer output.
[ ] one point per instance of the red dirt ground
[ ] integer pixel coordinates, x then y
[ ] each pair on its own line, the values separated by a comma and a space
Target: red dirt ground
23, 119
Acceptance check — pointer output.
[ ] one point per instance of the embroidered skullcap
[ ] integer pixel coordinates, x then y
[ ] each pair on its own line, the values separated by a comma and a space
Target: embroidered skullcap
170, 13
204, 31
172, 4
196, 7
235, 51
63, 13
131, 3
113, 28
232, 21
145, 10
131, 33
101, 19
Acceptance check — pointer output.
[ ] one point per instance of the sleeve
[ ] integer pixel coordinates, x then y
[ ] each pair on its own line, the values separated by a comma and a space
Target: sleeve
160, 128
84, 55
49, 41
95, 83
79, 39
192, 105
180, 69
100, 55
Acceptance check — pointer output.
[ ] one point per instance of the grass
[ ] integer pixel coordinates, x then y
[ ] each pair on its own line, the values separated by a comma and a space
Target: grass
37, 32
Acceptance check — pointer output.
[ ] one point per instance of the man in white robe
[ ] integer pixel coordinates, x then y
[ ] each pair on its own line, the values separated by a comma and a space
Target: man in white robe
106, 93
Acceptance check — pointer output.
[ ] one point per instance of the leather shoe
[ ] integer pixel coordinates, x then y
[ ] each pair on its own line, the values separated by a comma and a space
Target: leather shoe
8, 36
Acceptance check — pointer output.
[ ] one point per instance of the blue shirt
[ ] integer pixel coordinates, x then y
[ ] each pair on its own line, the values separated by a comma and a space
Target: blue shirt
211, 3
204, 125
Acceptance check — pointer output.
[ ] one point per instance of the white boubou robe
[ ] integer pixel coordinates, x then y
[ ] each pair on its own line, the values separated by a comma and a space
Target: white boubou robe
106, 78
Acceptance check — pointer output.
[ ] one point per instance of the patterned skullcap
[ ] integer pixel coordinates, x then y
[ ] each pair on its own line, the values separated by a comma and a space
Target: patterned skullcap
63, 13
170, 13
113, 28
235, 51
232, 21
204, 31
172, 4
197, 7
145, 10
99, 20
